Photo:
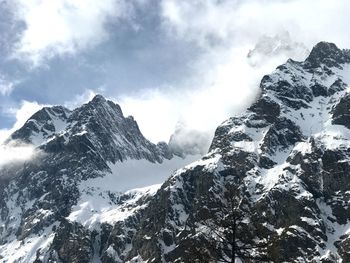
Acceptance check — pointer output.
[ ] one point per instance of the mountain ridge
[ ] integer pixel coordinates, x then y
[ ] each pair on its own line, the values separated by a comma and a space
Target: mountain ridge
101, 118
74, 149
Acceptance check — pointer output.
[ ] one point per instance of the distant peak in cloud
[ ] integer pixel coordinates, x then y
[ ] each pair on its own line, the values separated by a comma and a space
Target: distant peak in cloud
280, 44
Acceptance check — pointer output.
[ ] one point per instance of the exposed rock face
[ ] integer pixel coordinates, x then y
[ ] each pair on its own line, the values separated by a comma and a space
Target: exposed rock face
341, 113
287, 155
98, 126
73, 147
329, 55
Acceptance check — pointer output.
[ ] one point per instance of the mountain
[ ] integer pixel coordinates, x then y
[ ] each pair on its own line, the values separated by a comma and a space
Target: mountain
98, 127
287, 156
85, 161
286, 159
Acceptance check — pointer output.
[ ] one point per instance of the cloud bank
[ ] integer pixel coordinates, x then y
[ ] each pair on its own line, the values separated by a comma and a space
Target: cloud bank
223, 80
59, 27
236, 43
237, 22
207, 99
12, 153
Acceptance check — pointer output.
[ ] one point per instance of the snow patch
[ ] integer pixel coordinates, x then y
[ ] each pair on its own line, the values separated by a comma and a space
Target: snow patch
101, 201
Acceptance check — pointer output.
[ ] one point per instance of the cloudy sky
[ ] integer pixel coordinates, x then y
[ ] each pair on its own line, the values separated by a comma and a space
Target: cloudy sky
169, 63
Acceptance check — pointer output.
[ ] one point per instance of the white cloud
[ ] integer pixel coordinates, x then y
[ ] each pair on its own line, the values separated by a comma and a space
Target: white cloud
12, 153
4, 134
225, 84
237, 22
59, 27
156, 112
26, 110
80, 99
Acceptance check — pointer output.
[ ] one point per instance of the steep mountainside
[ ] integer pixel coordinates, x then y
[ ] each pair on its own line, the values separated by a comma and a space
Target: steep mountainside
74, 150
286, 160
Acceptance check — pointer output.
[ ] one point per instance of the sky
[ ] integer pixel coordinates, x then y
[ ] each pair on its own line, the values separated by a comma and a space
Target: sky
172, 64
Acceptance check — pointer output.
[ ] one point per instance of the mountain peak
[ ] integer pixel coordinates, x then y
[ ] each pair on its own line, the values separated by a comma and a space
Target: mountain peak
98, 98
328, 54
324, 46
101, 102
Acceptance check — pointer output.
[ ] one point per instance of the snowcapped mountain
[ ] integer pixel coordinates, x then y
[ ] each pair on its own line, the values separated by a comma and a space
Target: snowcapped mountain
85, 162
286, 160
98, 127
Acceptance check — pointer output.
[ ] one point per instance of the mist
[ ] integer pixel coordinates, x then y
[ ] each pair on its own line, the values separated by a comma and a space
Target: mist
13, 153
241, 41
226, 83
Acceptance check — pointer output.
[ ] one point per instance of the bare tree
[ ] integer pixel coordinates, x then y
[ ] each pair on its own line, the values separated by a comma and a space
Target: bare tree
230, 232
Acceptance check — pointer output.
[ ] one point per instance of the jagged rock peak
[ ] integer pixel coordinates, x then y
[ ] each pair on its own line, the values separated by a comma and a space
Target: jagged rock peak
328, 54
97, 126
99, 98
100, 102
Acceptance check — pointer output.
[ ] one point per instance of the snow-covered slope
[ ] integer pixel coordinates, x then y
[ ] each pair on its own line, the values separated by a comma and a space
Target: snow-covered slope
102, 202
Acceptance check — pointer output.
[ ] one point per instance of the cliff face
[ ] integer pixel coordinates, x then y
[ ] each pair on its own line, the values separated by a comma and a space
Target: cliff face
73, 150
285, 159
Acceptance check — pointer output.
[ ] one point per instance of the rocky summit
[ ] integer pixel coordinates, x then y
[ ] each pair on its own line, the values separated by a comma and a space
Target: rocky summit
72, 148
274, 186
